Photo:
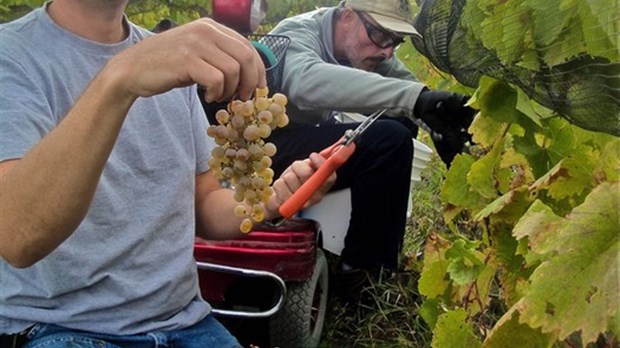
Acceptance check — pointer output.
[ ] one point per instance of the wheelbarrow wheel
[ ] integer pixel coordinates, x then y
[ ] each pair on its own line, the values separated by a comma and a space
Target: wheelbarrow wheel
300, 321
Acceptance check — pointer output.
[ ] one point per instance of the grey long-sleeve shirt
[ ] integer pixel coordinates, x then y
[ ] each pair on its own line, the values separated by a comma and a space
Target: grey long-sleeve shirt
317, 84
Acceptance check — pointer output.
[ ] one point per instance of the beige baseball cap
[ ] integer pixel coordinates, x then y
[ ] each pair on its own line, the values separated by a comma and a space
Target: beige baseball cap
393, 15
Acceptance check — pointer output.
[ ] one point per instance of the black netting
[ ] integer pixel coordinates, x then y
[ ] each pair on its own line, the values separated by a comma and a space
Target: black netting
272, 49
561, 53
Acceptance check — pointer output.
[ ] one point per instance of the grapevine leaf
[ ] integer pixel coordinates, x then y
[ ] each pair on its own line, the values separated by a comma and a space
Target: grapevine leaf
551, 176
435, 249
430, 311
609, 163
481, 176
577, 288
513, 274
578, 178
465, 262
497, 100
538, 225
599, 31
496, 206
485, 130
522, 172
433, 281
456, 190
476, 294
508, 332
453, 331
526, 106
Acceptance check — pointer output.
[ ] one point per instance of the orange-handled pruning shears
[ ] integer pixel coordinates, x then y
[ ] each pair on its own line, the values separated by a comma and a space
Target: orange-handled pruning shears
336, 155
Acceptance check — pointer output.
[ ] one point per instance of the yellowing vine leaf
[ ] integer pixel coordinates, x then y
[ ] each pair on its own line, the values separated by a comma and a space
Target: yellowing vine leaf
433, 282
453, 331
481, 177
456, 191
508, 332
576, 288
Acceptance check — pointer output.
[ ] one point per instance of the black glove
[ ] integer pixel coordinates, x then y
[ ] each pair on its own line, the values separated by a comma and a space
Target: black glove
448, 118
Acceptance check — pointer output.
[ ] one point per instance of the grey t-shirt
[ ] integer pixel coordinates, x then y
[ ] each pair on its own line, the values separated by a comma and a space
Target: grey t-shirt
129, 267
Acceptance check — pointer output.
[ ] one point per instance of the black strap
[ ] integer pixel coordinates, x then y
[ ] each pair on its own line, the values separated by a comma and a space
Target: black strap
13, 341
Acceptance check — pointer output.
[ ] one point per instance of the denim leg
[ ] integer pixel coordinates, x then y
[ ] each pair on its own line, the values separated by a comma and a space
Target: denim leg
54, 336
207, 333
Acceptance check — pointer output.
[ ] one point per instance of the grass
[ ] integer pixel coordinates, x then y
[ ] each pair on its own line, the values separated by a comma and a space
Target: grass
388, 314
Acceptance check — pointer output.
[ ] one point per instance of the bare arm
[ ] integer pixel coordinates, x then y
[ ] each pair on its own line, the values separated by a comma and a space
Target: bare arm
215, 205
45, 195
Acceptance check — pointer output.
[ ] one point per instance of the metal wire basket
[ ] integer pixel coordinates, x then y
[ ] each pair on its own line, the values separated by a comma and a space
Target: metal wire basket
272, 49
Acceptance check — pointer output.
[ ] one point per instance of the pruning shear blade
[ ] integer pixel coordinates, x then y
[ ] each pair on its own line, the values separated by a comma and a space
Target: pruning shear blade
352, 135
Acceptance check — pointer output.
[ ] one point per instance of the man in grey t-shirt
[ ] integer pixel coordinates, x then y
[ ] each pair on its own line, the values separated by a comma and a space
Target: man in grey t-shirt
104, 177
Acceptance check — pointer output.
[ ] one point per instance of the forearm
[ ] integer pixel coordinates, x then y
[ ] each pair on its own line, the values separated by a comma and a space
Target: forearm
46, 194
215, 218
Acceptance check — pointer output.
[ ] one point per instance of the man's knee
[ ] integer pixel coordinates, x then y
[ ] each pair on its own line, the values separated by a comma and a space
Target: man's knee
388, 135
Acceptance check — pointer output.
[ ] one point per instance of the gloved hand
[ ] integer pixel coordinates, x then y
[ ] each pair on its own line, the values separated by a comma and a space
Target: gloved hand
447, 116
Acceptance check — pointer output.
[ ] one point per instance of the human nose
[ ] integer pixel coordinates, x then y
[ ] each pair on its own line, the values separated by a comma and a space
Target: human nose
387, 52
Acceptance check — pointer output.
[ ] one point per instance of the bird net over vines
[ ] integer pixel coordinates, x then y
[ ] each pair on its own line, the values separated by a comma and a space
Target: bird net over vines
562, 53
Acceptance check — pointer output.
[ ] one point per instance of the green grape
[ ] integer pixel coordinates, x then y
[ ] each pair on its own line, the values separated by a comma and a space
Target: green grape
282, 121
246, 225
280, 99
256, 152
258, 182
218, 152
222, 116
243, 154
269, 149
276, 109
261, 92
264, 130
238, 121
266, 161
261, 103
240, 210
265, 116
251, 133
242, 157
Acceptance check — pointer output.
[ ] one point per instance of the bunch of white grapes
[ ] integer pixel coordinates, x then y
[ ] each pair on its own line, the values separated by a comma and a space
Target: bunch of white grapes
242, 157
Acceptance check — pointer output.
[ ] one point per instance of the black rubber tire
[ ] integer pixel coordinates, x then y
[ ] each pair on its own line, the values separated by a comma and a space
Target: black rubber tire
300, 321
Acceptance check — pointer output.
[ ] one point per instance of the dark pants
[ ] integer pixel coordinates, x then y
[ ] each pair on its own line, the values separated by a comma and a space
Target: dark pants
378, 174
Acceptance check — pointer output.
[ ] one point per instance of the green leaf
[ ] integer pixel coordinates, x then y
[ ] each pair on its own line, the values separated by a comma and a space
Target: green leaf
433, 281
576, 289
453, 331
513, 274
481, 177
508, 208
430, 311
485, 130
531, 109
456, 190
465, 262
609, 162
509, 332
497, 100
578, 180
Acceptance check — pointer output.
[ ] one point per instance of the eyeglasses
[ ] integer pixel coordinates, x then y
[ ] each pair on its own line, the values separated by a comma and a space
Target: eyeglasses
380, 37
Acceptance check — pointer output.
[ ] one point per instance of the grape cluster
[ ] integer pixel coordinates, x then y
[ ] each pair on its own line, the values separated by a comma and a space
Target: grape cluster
242, 158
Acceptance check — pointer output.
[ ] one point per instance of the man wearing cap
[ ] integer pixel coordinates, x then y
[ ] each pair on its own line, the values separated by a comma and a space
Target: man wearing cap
341, 59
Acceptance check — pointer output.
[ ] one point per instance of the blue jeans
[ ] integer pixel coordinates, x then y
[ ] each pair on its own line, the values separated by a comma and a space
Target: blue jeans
206, 333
